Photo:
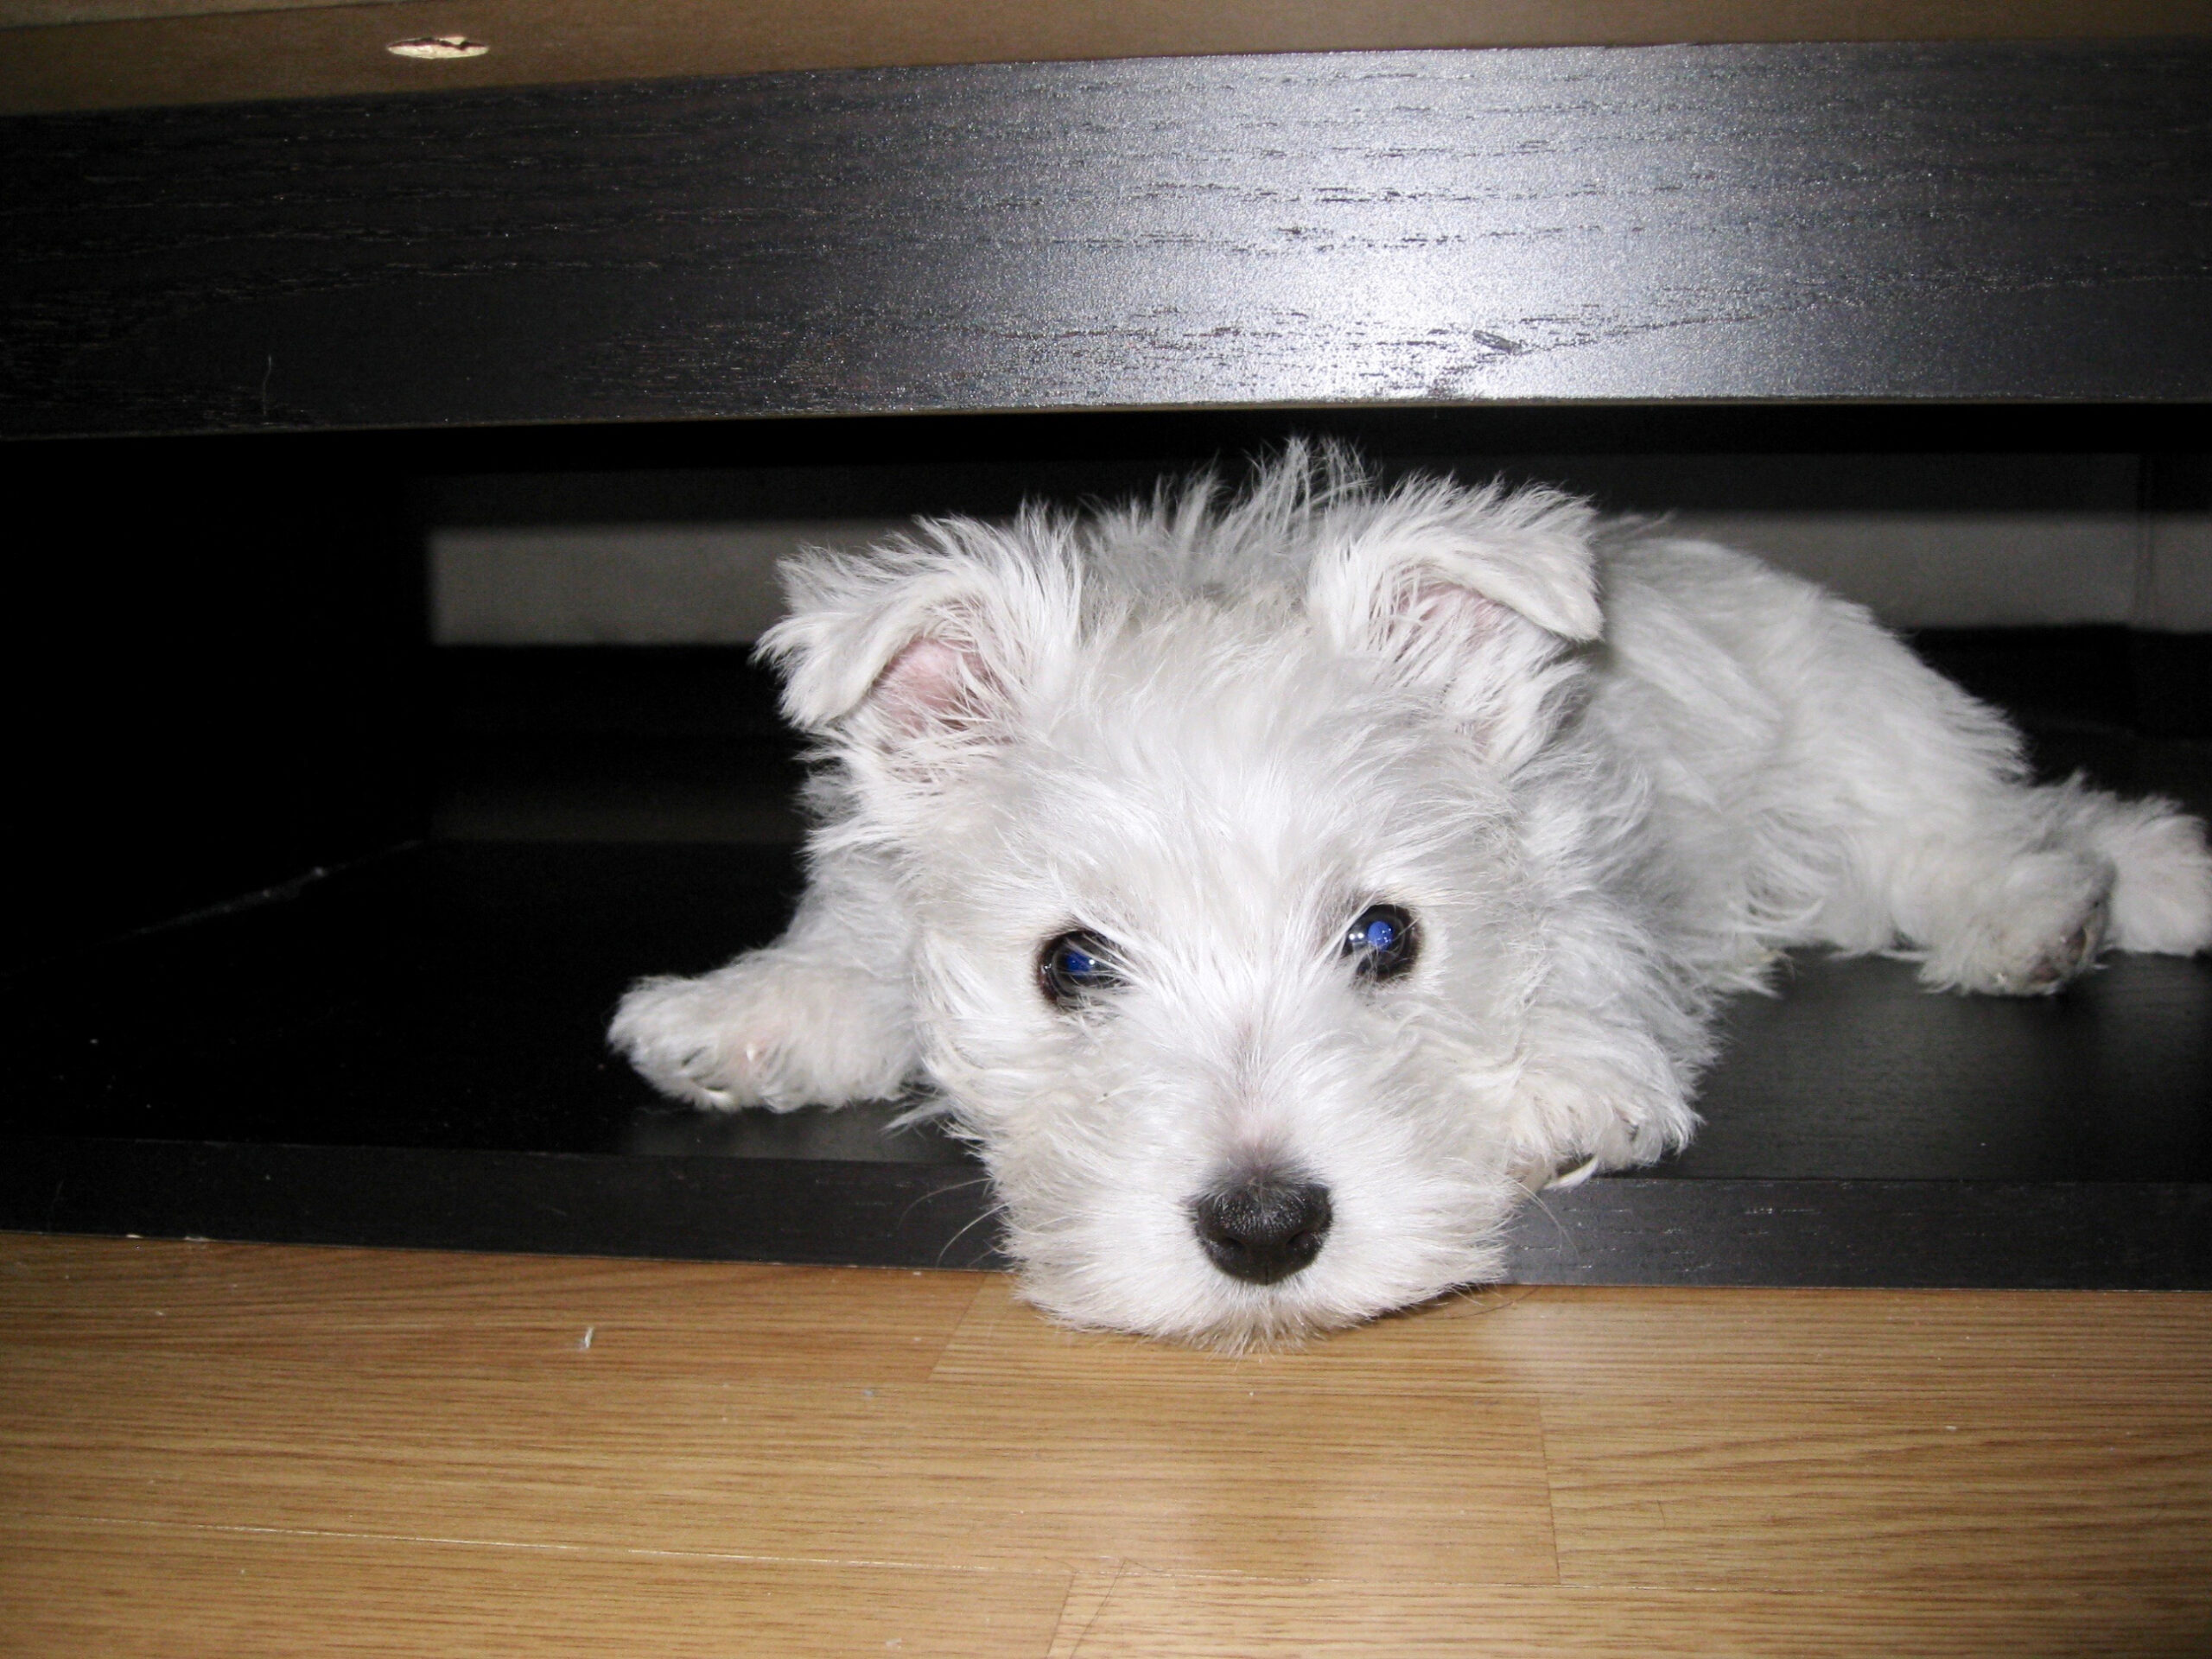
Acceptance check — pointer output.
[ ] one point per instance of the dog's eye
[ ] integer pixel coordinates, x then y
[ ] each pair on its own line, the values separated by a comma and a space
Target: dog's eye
1074, 966
1381, 941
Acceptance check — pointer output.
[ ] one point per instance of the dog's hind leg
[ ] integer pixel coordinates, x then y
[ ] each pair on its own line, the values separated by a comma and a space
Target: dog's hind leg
1815, 782
1990, 903
823, 1017
2022, 897
2000, 885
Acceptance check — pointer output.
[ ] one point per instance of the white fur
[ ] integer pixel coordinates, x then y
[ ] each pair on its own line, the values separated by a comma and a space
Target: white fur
1611, 775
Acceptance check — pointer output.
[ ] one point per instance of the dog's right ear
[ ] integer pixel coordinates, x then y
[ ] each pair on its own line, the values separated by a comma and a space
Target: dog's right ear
933, 639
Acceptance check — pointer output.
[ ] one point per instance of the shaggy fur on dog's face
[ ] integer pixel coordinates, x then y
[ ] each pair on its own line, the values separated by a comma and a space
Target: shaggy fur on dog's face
1216, 799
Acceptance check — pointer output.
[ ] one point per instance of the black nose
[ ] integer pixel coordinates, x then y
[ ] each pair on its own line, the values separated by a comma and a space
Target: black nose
1263, 1228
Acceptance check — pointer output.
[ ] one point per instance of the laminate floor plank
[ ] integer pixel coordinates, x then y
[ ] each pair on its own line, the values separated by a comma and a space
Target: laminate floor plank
1647, 1344
201, 1446
1159, 1617
537, 1441
1785, 1491
2091, 1348
124, 1590
1439, 1484
441, 1314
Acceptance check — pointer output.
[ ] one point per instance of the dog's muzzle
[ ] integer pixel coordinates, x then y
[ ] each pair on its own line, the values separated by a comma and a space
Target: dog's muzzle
1263, 1229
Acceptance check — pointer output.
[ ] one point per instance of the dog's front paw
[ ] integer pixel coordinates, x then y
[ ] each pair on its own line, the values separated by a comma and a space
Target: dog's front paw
765, 1033
1593, 1096
678, 1033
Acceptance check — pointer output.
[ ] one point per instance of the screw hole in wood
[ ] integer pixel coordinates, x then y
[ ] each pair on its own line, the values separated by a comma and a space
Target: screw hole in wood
438, 47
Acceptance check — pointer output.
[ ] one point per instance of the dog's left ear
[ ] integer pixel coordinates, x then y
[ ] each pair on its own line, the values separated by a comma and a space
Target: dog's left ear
1473, 597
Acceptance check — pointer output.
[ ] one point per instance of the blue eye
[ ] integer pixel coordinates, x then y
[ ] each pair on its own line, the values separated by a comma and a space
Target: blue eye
1381, 941
1074, 966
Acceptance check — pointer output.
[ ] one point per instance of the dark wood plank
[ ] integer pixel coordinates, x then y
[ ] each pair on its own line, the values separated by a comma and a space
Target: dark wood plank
867, 1212
852, 1212
1738, 222
409, 1053
1901, 1235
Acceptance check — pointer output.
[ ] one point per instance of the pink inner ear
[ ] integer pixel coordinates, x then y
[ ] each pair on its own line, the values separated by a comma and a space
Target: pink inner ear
929, 683
1434, 625
1431, 604
1442, 639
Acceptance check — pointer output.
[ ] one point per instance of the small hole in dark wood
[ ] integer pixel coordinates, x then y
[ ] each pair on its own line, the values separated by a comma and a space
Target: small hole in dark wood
438, 46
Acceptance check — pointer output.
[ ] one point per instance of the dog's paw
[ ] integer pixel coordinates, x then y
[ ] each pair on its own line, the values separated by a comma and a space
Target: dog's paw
678, 1033
2061, 961
1594, 1096
2033, 933
765, 1033
1536, 1176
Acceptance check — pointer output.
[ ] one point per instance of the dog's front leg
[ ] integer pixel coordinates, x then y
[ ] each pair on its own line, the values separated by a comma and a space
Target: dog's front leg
822, 1017
1594, 1093
1610, 1044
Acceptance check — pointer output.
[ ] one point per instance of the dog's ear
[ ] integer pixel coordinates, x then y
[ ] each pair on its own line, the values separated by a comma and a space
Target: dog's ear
1471, 597
929, 640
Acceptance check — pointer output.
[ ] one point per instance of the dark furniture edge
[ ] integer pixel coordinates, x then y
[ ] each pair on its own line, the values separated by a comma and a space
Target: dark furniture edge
1981, 1235
1868, 1235
690, 1208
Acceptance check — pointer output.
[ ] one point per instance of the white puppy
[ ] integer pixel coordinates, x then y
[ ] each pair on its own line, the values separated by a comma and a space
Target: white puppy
1276, 889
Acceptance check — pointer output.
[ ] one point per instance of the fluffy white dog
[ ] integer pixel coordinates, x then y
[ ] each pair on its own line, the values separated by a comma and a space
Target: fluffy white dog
1276, 889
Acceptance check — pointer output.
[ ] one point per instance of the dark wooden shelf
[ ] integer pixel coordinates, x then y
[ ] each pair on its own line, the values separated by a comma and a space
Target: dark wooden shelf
1962, 221
408, 1051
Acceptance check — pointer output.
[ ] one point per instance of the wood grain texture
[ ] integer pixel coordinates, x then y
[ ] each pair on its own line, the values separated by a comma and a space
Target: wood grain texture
1780, 1491
121, 1589
2100, 1352
977, 1476
1151, 1616
395, 1312
116, 53
1786, 222
34, 14
846, 1462
209, 1449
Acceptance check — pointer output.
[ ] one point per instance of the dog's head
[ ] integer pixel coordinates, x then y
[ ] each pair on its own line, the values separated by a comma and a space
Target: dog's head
1211, 819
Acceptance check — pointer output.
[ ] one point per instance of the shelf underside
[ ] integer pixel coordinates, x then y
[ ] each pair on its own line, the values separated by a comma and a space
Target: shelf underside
408, 1053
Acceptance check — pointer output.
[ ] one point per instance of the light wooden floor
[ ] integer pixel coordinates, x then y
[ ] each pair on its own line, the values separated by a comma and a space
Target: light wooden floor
233, 1450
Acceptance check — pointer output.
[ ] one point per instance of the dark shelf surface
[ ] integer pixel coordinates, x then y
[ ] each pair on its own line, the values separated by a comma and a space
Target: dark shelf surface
1946, 220
408, 1052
